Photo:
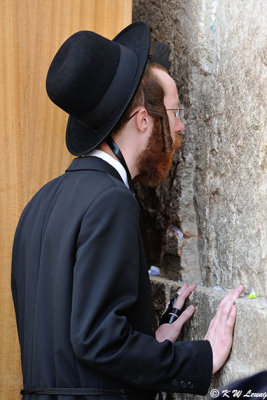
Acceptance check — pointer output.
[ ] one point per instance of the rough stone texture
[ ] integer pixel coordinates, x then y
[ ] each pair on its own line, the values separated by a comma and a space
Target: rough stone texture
249, 354
216, 191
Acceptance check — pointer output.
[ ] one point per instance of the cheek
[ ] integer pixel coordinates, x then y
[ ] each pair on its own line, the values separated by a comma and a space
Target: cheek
173, 132
172, 128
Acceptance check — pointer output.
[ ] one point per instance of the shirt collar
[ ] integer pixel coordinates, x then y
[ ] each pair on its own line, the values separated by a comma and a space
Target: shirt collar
110, 160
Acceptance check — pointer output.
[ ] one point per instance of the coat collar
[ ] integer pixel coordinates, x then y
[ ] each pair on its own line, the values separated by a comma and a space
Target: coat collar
95, 164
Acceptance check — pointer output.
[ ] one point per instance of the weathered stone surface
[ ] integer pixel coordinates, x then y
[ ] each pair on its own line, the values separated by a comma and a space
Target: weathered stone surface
217, 186
249, 351
216, 190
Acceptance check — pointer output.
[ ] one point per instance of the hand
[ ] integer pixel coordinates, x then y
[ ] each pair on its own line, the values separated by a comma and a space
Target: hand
172, 331
220, 332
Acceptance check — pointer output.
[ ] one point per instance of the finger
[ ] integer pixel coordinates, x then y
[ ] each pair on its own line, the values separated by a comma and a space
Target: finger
227, 303
185, 316
181, 289
179, 303
183, 296
232, 318
233, 295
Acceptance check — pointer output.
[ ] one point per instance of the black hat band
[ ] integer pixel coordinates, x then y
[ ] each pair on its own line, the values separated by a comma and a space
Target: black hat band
118, 89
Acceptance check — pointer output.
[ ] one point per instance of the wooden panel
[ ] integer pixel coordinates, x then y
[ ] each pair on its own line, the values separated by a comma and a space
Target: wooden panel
33, 129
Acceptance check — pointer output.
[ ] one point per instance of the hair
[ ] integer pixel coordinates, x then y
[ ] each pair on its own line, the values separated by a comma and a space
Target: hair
150, 94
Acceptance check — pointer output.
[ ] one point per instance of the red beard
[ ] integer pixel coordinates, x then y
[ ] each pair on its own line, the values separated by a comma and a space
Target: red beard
154, 163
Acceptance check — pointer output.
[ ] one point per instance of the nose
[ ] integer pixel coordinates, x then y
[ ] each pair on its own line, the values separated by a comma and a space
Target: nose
179, 126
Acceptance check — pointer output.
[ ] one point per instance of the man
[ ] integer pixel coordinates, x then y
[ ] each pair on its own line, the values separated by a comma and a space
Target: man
79, 277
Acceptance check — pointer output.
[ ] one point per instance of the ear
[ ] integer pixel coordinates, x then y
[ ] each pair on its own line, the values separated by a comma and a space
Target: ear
143, 120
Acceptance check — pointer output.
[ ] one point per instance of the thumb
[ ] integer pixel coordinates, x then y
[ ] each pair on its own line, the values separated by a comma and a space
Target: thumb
185, 316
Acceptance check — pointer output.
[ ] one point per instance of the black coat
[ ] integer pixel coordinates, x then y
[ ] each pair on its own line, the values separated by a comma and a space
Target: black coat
82, 294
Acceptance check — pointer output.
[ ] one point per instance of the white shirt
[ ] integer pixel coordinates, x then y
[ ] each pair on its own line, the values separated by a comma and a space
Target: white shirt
114, 163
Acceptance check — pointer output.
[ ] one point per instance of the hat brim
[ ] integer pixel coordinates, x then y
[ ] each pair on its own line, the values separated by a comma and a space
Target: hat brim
81, 140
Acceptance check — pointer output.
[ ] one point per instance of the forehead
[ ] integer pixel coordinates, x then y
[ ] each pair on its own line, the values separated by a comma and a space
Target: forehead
171, 98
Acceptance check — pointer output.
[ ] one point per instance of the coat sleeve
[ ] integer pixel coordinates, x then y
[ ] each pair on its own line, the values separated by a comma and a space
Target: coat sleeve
105, 287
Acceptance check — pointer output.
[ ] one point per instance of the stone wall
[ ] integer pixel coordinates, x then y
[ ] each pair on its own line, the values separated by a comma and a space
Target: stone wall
249, 352
215, 193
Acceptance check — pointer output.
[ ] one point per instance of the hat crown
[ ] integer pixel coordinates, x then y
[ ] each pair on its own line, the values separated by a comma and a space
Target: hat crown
94, 80
81, 72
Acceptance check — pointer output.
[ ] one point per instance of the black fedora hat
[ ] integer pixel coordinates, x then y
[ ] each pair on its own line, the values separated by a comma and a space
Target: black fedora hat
94, 79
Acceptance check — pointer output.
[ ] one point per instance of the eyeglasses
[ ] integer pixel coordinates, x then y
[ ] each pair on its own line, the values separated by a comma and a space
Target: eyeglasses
179, 112
132, 116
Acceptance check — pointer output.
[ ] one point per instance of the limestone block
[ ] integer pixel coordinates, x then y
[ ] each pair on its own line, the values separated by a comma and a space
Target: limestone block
249, 351
216, 188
